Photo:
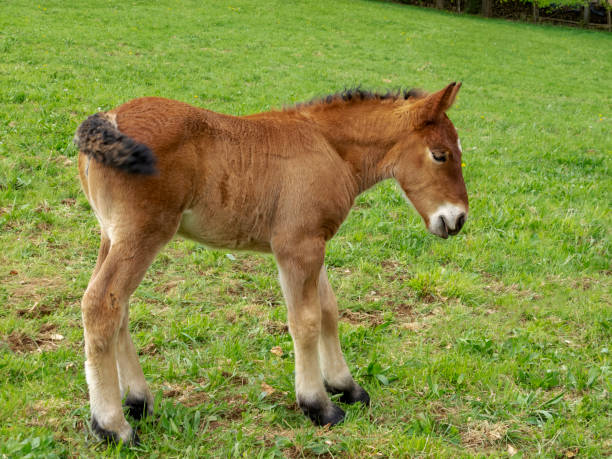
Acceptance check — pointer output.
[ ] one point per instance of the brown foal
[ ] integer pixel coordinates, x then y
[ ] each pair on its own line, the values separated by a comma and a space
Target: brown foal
280, 182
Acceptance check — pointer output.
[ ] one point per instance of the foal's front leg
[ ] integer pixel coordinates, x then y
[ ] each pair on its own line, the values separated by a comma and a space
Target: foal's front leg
337, 376
299, 266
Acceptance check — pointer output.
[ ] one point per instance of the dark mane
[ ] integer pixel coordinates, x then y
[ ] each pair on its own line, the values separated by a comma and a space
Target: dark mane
358, 94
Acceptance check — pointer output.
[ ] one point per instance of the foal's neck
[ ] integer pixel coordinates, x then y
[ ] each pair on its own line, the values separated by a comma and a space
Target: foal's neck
361, 133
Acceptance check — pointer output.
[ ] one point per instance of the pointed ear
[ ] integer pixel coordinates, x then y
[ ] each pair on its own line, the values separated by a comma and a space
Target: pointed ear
434, 105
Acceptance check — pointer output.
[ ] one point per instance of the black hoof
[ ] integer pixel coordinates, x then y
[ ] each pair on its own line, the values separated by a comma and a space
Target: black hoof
103, 434
349, 396
322, 414
137, 409
111, 437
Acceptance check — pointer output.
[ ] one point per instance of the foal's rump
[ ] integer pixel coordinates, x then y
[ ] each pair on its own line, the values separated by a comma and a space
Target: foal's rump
127, 137
131, 170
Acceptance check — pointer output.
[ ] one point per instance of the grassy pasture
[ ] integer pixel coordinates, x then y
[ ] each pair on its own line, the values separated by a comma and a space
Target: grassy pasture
494, 342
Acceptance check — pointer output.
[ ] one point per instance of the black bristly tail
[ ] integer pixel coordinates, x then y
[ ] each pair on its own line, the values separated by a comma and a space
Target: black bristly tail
99, 138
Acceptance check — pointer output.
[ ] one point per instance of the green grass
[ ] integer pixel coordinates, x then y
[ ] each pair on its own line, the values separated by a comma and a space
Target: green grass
496, 340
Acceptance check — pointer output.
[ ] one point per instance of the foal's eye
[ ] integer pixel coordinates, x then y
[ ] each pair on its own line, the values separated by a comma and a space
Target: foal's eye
439, 156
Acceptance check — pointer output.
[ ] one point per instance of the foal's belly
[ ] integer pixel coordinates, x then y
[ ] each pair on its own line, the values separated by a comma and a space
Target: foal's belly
222, 232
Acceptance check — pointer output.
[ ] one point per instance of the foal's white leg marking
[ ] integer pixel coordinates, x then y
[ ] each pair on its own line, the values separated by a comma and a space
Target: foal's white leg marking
304, 313
333, 365
104, 395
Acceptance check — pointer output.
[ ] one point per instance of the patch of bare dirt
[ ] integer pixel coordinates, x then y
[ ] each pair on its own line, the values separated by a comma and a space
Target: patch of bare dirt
236, 406
19, 342
234, 288
497, 286
440, 410
235, 379
251, 265
231, 317
571, 452
276, 327
40, 412
582, 283
47, 339
391, 264
417, 323
369, 318
429, 298
272, 393
266, 297
403, 310
188, 395
10, 225
149, 349
46, 226
254, 310
47, 328
484, 434
237, 288
414, 326
395, 270
42, 208
34, 289
36, 310
169, 287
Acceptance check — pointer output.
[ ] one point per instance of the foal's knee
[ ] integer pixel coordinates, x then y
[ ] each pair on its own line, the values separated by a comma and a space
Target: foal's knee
305, 325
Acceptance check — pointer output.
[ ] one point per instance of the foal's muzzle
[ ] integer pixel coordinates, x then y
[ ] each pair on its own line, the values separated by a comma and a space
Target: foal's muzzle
447, 220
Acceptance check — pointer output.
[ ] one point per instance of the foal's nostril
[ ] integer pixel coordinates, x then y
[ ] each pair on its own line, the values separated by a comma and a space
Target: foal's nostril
460, 222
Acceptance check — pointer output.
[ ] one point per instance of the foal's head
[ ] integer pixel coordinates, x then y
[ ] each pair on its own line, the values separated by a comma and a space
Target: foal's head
427, 162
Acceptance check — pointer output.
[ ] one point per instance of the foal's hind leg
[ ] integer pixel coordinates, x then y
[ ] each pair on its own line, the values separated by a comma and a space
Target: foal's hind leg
337, 376
104, 309
132, 384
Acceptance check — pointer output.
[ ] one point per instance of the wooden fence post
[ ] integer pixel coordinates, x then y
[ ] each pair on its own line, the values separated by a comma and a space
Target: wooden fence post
587, 13
535, 11
487, 8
